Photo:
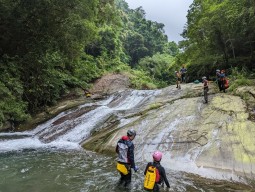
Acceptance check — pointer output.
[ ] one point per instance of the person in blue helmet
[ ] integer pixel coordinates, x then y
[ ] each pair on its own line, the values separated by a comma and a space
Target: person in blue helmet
125, 151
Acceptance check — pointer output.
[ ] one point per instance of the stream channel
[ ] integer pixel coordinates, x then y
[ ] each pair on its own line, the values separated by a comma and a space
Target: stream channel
50, 158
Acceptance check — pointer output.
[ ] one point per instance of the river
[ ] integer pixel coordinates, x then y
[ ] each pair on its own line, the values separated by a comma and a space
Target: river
50, 157
82, 171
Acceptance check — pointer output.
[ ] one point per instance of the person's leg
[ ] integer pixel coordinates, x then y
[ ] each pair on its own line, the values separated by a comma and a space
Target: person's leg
128, 178
206, 95
122, 179
156, 188
220, 85
223, 86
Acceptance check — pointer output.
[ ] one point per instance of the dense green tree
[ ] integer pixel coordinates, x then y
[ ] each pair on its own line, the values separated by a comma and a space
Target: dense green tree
43, 41
50, 46
219, 34
159, 67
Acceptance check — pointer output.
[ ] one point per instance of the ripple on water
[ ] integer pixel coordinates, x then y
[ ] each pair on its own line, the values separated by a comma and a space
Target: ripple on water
71, 171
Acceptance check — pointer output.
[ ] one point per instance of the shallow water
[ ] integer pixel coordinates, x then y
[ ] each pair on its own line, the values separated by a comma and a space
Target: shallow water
82, 171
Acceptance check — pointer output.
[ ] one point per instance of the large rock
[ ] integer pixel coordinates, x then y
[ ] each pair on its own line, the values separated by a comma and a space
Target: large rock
194, 137
109, 84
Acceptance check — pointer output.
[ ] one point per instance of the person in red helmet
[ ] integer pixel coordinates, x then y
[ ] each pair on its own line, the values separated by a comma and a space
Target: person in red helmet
159, 172
125, 150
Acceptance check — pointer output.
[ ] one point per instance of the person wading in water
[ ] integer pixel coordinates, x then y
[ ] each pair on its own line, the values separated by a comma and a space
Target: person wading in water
155, 174
125, 150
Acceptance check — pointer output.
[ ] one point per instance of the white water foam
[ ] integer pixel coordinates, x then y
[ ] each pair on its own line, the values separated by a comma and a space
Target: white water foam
77, 134
35, 143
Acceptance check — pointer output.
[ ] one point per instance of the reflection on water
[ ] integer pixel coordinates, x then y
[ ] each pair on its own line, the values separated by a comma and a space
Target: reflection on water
74, 171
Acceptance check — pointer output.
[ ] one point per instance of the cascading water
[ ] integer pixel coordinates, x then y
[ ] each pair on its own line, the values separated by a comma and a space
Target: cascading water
71, 132
50, 158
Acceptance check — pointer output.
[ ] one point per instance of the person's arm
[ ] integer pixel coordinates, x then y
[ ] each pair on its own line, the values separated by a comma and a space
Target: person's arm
145, 171
117, 148
131, 154
164, 177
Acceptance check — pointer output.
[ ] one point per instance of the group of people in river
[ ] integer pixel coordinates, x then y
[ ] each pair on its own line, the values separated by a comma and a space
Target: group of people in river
154, 172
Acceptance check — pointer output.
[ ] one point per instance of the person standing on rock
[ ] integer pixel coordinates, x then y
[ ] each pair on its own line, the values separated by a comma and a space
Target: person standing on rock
125, 150
183, 72
222, 81
178, 79
218, 78
206, 89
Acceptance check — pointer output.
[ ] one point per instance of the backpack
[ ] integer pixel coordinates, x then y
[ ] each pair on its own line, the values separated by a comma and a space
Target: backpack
226, 84
152, 176
122, 168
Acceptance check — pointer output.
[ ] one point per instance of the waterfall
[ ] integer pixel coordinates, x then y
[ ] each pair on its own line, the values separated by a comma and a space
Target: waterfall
69, 128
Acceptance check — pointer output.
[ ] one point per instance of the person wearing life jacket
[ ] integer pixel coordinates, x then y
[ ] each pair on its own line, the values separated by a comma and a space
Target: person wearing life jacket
206, 89
218, 78
125, 150
222, 81
155, 174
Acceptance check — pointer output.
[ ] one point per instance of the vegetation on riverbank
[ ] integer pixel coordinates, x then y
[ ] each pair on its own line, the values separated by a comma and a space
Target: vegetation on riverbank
50, 47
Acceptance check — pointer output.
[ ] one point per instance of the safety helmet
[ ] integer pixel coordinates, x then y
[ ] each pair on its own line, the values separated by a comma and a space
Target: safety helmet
176, 71
217, 70
204, 77
131, 132
157, 155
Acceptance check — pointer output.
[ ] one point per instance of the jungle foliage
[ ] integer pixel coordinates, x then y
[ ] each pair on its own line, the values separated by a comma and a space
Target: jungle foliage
50, 46
219, 34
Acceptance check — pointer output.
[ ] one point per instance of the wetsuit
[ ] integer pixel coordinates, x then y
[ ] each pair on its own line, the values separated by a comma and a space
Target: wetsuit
125, 150
162, 174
